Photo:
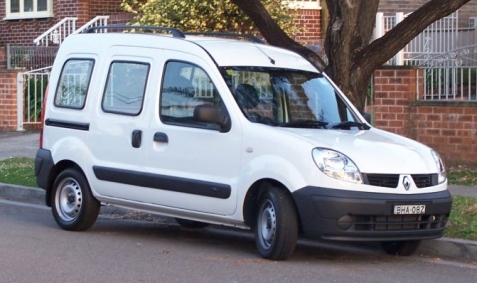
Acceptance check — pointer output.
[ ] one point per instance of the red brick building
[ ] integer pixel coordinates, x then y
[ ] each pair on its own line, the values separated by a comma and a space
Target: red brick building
24, 20
22, 23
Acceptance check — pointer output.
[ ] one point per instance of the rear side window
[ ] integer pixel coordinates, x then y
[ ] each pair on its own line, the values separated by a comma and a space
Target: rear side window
74, 83
125, 87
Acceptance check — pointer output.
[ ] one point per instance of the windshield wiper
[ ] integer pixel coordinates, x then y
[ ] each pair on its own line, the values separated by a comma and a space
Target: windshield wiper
304, 124
349, 124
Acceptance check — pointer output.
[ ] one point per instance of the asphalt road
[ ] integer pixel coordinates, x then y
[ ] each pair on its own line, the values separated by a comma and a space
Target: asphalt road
35, 249
18, 144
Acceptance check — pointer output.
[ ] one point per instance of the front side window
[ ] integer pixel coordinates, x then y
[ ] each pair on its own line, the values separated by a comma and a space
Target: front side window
28, 9
74, 83
125, 88
186, 86
289, 98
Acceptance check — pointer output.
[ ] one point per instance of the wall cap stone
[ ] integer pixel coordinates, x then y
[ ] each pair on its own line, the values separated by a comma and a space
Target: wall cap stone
440, 103
390, 67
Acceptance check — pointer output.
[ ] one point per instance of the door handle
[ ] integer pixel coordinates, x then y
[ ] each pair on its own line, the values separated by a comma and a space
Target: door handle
136, 138
161, 137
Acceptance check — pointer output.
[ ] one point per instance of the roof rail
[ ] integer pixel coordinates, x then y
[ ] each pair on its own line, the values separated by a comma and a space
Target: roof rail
249, 37
175, 32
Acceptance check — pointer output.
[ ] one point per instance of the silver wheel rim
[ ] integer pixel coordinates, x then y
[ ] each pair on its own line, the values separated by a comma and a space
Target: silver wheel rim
69, 199
267, 224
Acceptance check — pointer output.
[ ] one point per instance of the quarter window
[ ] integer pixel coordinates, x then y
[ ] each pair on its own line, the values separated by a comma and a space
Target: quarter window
74, 83
125, 88
28, 9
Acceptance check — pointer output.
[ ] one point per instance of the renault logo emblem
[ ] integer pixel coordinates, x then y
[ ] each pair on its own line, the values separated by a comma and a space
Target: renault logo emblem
406, 183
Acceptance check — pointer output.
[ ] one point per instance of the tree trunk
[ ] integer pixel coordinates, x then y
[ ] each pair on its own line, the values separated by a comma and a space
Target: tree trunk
349, 32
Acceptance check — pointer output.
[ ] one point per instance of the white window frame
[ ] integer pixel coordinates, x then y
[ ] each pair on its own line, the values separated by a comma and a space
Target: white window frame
28, 15
304, 4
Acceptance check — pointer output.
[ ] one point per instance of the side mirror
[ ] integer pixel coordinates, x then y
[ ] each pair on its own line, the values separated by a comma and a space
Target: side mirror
210, 114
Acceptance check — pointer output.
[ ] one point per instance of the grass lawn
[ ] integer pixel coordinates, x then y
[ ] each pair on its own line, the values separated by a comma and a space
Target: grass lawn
462, 175
18, 171
462, 223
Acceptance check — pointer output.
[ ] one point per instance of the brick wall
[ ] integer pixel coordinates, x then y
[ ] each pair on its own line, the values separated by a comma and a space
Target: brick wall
111, 8
311, 19
8, 101
448, 127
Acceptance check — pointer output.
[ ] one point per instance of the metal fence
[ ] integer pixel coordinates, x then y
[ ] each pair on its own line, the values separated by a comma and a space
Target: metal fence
30, 57
452, 75
446, 54
31, 88
441, 36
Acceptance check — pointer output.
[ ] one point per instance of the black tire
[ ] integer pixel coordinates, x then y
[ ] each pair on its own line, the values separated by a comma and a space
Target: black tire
72, 203
402, 248
191, 223
276, 229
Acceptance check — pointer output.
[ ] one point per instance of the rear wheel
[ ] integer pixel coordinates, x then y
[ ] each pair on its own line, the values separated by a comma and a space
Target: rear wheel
403, 248
73, 205
191, 223
276, 230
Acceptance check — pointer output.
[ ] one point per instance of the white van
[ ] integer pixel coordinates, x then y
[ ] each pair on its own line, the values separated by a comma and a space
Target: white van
229, 132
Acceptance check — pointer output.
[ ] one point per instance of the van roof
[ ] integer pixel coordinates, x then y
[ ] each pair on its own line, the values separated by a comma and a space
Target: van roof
224, 51
232, 52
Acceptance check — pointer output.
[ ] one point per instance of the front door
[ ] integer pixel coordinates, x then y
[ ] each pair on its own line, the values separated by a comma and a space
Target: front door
193, 166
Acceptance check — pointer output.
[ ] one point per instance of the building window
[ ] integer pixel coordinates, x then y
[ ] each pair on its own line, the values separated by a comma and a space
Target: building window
28, 9
304, 4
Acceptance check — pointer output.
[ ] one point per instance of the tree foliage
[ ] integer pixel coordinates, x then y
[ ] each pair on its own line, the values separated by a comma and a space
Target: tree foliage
208, 15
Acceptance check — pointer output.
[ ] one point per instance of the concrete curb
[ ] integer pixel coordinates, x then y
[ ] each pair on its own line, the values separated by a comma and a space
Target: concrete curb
447, 247
443, 247
22, 193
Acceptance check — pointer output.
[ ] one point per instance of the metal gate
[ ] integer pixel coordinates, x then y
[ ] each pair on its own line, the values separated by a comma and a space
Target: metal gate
31, 87
439, 37
451, 75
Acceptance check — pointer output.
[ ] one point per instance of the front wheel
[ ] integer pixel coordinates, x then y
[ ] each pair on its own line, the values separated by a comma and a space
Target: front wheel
73, 205
276, 229
402, 248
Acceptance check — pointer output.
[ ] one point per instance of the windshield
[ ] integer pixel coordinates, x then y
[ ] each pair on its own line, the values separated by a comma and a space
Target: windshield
289, 98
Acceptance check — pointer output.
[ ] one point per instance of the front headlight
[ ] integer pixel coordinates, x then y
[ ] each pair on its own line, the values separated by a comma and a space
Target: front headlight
441, 169
336, 165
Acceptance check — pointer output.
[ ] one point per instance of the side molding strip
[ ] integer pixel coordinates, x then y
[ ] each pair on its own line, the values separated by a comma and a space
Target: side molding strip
67, 124
163, 182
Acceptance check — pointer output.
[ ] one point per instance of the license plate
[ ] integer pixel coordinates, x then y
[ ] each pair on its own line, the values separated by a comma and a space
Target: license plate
410, 209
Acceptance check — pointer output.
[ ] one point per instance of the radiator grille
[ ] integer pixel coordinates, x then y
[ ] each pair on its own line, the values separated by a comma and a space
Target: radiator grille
425, 180
398, 222
392, 180
382, 180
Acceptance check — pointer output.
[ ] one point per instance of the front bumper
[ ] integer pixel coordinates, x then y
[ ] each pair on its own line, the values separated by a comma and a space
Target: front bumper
361, 216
